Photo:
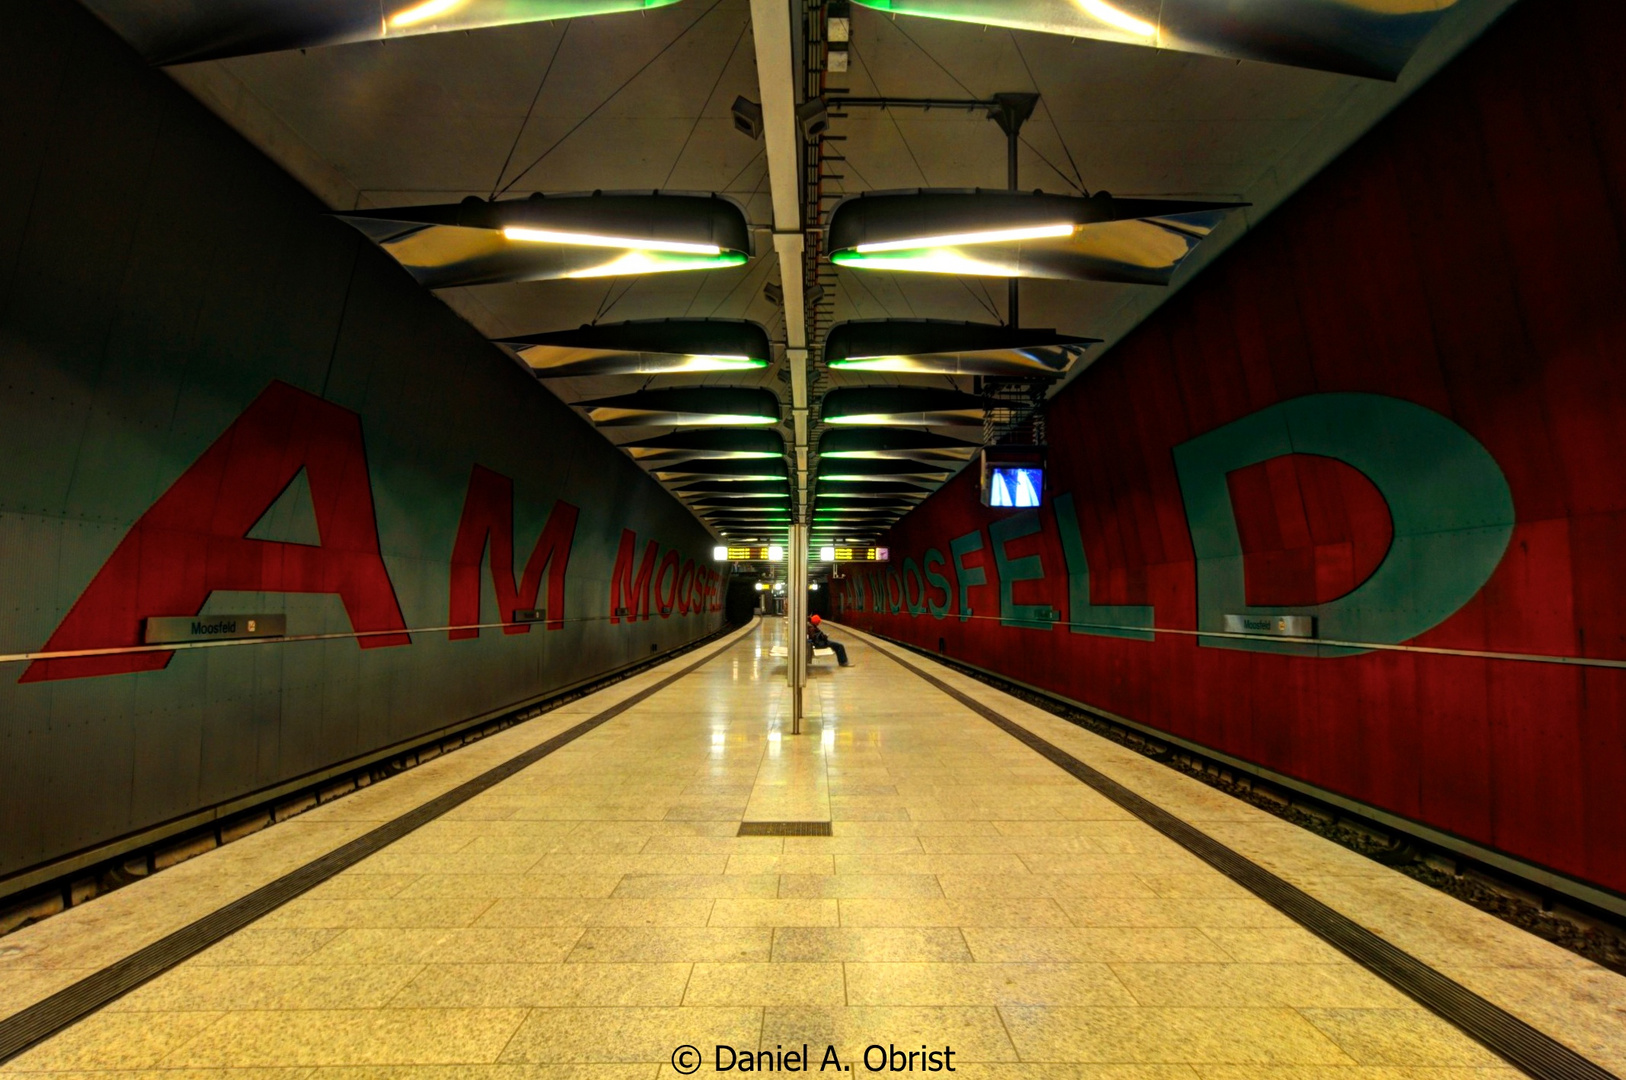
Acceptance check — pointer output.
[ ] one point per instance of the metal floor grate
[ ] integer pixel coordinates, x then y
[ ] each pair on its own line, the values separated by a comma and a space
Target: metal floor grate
1532, 1050
784, 828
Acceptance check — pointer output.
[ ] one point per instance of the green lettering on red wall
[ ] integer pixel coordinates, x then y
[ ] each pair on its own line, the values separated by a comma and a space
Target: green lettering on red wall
1449, 501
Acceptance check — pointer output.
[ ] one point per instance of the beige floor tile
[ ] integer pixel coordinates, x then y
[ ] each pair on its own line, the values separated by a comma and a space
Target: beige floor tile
928, 912
1176, 1036
854, 886
392, 913
114, 1040
659, 911
505, 886
1273, 945
975, 1034
1399, 1037
600, 1071
1098, 944
677, 944
297, 1072
929, 864
473, 945
629, 1034
572, 864
352, 883
890, 944
462, 985
804, 862
199, 988
1060, 886
351, 1037
760, 886
257, 945
1143, 911
766, 984
734, 912
984, 984
1331, 986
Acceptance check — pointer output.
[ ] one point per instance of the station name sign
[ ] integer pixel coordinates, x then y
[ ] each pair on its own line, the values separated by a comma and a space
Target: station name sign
171, 630
1296, 626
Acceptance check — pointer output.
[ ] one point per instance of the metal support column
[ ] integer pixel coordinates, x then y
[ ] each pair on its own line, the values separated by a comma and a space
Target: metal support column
1010, 112
796, 622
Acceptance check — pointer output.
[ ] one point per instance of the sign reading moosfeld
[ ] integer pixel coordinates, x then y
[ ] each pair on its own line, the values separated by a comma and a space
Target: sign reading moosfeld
170, 630
1300, 626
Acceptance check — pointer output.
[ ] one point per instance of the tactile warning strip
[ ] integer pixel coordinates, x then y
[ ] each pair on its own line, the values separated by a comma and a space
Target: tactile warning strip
1534, 1051
784, 828
45, 1018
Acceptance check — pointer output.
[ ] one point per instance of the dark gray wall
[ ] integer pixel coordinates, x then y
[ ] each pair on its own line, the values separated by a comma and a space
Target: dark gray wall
157, 274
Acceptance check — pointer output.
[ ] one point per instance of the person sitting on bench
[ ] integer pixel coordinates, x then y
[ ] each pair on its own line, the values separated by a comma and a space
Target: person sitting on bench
817, 639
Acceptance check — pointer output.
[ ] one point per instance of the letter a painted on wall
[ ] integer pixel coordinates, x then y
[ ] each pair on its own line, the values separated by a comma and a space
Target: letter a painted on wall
1450, 504
194, 539
488, 518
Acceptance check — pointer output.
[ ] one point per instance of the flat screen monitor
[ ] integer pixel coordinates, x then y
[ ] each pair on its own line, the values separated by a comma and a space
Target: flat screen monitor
1015, 485
1013, 477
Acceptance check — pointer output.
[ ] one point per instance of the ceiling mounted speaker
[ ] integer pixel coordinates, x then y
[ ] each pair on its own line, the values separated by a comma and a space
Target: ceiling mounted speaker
883, 443
901, 406
747, 117
1021, 234
645, 347
685, 406
938, 347
544, 238
189, 30
1370, 38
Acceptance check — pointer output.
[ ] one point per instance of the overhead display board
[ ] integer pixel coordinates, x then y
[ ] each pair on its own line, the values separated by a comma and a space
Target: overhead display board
853, 554
750, 553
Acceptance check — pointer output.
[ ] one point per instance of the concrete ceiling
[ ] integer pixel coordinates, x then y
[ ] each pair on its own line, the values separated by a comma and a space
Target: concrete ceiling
641, 101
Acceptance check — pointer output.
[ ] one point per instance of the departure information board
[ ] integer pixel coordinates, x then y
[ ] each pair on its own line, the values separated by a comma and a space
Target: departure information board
857, 554
754, 553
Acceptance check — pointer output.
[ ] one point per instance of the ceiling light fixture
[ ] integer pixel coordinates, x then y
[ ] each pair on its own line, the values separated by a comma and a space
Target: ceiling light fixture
901, 406
645, 347
476, 242
1369, 38
942, 347
1016, 234
216, 29
549, 236
988, 236
711, 406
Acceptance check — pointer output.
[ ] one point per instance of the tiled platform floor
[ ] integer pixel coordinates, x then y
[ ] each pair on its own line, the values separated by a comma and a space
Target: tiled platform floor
595, 912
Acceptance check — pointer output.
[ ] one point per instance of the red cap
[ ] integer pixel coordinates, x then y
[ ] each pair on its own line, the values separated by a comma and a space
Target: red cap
815, 620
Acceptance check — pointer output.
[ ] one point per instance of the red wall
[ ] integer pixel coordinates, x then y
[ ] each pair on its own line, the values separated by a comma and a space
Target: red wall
1467, 255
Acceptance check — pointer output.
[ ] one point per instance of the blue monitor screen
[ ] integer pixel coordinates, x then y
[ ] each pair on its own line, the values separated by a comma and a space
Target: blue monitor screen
1015, 485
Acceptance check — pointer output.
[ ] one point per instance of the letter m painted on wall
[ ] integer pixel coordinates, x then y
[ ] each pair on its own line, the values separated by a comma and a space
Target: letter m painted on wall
629, 596
488, 520
194, 539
